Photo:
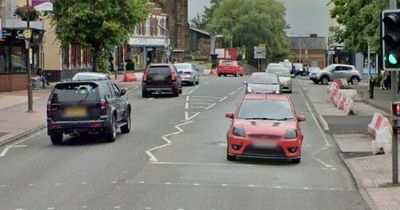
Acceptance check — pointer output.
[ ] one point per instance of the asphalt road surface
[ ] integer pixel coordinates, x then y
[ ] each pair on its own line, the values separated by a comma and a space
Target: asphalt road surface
175, 158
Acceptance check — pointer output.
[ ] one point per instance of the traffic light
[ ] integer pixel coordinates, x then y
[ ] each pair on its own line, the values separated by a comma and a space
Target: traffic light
391, 39
396, 113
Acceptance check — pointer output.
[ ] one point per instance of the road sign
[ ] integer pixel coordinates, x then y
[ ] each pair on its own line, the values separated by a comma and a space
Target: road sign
260, 52
28, 33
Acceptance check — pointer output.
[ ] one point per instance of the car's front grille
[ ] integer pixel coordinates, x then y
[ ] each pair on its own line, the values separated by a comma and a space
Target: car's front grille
264, 152
264, 136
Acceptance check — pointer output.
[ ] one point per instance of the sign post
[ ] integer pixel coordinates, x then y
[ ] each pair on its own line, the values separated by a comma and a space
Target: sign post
260, 52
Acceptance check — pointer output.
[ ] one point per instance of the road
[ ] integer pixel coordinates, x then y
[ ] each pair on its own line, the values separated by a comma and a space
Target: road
175, 158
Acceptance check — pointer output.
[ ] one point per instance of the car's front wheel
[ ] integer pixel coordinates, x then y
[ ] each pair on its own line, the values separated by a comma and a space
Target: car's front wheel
325, 80
354, 80
127, 127
56, 138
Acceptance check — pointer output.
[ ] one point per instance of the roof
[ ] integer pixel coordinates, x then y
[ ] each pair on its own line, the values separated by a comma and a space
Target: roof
266, 97
200, 31
310, 43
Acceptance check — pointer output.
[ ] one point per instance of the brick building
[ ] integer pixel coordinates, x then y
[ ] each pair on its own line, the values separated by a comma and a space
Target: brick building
308, 50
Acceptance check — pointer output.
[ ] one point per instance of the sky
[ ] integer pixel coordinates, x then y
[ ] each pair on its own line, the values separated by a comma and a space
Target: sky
304, 16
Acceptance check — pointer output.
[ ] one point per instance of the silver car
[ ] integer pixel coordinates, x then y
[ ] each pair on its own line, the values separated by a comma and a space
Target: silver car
336, 71
285, 77
263, 83
188, 73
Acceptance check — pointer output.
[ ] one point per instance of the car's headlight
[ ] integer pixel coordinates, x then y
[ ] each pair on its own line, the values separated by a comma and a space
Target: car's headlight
249, 90
291, 134
278, 91
239, 131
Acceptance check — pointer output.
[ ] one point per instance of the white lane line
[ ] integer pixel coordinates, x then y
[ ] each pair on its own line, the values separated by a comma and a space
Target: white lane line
187, 117
239, 88
198, 164
84, 207
197, 107
278, 187
168, 183
223, 99
150, 99
187, 98
319, 160
200, 103
224, 185
16, 144
211, 106
187, 106
190, 92
168, 142
51, 208
210, 97
315, 120
233, 93
251, 185
306, 188
141, 182
196, 184
117, 207
202, 99
148, 208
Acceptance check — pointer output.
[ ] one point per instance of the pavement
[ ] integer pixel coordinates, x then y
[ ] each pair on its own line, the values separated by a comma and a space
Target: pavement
372, 173
175, 158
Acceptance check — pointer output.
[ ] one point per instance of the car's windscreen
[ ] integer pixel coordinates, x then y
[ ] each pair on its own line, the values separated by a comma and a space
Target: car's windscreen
264, 79
228, 63
88, 77
163, 71
75, 92
265, 110
281, 72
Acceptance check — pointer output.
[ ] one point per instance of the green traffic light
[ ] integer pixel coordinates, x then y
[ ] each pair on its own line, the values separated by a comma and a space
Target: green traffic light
393, 59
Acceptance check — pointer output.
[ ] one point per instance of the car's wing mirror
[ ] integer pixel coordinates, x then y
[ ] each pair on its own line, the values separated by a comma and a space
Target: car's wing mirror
229, 115
301, 118
124, 91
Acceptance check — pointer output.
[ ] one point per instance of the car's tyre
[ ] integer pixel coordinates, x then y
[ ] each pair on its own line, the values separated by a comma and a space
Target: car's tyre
354, 80
236, 74
175, 93
198, 82
241, 75
325, 80
111, 136
316, 82
296, 160
230, 157
127, 127
219, 75
56, 138
180, 90
145, 94
225, 75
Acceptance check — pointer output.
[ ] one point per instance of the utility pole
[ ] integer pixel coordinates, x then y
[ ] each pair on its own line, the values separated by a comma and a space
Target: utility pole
28, 66
394, 87
300, 49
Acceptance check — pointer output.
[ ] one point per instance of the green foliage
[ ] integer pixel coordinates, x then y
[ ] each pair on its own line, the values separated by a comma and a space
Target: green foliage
100, 25
250, 23
360, 23
201, 21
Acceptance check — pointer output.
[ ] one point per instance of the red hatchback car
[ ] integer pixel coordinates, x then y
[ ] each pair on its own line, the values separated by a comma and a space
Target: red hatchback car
265, 126
226, 67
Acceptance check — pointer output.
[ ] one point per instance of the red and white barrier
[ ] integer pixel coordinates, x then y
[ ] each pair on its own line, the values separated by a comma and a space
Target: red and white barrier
130, 77
380, 130
213, 72
341, 83
349, 107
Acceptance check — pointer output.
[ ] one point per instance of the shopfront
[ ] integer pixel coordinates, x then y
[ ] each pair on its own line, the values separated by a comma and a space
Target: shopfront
144, 51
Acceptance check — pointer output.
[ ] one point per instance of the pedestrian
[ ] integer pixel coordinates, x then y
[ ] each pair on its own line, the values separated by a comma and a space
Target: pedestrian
42, 78
385, 81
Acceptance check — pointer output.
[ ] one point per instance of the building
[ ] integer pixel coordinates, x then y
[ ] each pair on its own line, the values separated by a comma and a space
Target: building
13, 53
308, 50
150, 41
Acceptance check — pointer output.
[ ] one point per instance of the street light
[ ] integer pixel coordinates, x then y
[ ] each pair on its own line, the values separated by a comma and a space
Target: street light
27, 60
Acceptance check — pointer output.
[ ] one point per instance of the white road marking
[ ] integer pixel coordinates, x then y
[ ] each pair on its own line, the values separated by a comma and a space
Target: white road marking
16, 144
190, 92
239, 88
319, 160
168, 142
84, 207
278, 187
196, 184
84, 183
2, 185
200, 103
223, 99
168, 183
187, 98
197, 107
331, 188
150, 99
198, 164
148, 208
225, 185
211, 106
117, 207
187, 105
141, 182
202, 100
333, 169
31, 185
187, 117
233, 93
315, 120
51, 208
210, 97
113, 182
251, 185
58, 184
306, 188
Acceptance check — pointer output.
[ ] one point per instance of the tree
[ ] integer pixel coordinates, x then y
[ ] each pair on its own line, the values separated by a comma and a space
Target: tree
198, 22
248, 23
100, 25
201, 21
359, 23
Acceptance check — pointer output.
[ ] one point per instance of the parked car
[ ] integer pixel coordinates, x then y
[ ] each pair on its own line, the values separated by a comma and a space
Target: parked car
226, 67
161, 78
299, 69
336, 71
263, 83
265, 126
82, 107
90, 76
188, 73
285, 77
274, 65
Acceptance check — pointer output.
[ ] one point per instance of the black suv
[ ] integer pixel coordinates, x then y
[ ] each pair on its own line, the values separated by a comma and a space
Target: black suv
84, 107
161, 78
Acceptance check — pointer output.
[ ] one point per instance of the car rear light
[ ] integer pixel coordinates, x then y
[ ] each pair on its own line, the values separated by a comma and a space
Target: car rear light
144, 78
95, 125
51, 107
103, 104
55, 126
174, 77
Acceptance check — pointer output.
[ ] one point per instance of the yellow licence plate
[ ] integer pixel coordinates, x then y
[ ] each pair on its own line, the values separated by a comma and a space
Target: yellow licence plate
159, 78
75, 112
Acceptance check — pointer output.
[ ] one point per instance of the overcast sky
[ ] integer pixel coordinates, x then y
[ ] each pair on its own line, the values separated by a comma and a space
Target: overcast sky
304, 16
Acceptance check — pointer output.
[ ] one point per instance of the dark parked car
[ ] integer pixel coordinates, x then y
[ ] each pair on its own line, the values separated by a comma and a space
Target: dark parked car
161, 78
85, 107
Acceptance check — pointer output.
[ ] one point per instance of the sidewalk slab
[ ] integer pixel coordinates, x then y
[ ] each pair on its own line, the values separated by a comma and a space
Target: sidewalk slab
353, 142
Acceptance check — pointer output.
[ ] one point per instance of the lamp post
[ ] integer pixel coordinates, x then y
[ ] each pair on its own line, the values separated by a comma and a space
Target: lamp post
28, 61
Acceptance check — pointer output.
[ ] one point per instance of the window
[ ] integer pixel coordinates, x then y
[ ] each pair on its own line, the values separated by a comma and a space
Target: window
65, 55
18, 59
72, 92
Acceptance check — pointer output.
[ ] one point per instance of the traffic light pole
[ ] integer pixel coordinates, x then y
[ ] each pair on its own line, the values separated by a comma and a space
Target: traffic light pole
28, 66
394, 88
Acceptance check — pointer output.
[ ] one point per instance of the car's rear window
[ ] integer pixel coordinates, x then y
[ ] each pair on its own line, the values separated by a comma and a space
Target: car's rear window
264, 79
228, 63
281, 72
89, 77
75, 92
183, 66
265, 109
159, 70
